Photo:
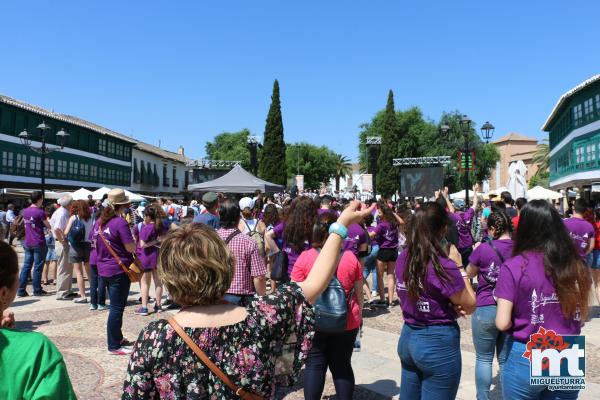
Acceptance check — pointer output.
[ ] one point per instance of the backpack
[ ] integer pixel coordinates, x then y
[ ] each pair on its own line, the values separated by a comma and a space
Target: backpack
279, 270
257, 237
76, 234
331, 307
17, 227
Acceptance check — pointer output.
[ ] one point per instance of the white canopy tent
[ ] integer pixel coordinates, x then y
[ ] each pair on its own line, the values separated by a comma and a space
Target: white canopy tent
81, 194
461, 195
540, 193
133, 197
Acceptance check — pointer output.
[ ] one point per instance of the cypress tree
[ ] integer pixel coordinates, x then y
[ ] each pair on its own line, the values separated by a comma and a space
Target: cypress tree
388, 178
272, 164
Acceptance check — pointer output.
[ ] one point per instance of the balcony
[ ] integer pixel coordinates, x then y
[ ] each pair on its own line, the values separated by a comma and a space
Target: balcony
165, 181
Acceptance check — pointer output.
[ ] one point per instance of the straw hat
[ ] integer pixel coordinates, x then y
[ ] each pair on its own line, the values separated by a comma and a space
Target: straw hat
117, 197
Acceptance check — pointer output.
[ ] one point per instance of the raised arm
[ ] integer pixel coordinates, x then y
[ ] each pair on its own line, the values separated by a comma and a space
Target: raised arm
324, 266
448, 202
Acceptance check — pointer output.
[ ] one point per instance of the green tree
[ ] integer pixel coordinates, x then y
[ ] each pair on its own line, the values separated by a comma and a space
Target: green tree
421, 137
343, 168
316, 163
230, 146
541, 157
387, 176
272, 166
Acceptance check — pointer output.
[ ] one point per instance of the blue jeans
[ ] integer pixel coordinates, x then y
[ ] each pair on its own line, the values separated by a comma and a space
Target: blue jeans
118, 290
370, 267
97, 287
431, 362
487, 340
595, 259
515, 378
34, 257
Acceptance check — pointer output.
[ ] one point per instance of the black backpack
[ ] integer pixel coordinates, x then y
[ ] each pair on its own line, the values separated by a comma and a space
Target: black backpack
331, 307
279, 271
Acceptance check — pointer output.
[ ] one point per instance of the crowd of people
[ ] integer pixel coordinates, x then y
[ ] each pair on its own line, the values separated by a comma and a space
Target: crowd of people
262, 279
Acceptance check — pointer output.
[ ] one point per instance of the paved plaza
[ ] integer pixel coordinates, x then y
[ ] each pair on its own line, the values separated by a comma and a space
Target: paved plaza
80, 334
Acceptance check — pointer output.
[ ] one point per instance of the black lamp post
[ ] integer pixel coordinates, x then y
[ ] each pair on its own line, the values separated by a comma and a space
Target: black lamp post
26, 139
487, 131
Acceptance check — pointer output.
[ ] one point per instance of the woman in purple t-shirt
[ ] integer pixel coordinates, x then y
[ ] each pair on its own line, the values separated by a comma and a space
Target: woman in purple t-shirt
147, 251
112, 228
485, 263
545, 285
296, 231
386, 235
431, 289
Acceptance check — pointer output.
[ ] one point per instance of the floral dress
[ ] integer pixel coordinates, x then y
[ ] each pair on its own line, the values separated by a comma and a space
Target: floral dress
162, 366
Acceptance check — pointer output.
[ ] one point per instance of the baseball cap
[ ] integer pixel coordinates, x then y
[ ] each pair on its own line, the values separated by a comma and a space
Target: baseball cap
209, 197
246, 202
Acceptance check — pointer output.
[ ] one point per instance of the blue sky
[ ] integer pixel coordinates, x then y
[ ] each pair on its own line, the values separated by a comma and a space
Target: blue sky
185, 71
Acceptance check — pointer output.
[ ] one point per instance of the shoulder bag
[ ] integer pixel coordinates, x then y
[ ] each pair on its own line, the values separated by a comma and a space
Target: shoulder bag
238, 390
331, 307
134, 271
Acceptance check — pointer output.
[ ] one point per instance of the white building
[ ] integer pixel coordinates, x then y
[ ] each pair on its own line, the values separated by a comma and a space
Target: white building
158, 172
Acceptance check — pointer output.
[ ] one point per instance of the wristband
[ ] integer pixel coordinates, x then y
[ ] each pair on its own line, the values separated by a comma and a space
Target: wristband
339, 230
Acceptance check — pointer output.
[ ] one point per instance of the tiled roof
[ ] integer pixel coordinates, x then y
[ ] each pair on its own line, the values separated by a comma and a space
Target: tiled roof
516, 137
148, 148
65, 118
567, 95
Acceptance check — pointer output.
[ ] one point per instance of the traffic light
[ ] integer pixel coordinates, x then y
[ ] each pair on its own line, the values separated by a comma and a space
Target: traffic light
466, 161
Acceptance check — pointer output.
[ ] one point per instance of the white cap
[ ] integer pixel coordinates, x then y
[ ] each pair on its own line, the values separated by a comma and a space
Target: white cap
246, 202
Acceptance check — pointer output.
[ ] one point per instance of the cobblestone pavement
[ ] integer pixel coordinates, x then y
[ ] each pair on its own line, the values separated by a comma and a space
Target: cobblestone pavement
80, 334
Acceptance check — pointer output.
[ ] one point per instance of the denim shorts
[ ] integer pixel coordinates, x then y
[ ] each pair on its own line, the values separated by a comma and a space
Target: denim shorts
51, 255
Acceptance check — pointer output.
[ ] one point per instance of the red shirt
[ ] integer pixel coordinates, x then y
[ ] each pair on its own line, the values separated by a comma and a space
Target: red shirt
349, 271
597, 229
515, 222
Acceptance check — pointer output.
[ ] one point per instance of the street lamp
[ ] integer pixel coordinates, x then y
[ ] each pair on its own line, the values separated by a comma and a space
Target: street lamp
373, 142
487, 131
27, 139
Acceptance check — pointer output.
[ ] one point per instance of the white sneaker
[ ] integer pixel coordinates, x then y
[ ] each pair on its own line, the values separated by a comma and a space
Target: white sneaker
122, 351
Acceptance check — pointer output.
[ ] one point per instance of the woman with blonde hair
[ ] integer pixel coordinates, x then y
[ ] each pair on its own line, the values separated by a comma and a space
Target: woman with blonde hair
240, 343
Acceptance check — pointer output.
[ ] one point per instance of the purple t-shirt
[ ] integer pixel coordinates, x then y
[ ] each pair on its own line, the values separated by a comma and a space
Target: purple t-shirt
387, 235
117, 233
434, 306
149, 255
289, 249
581, 232
463, 221
488, 262
357, 236
33, 218
523, 282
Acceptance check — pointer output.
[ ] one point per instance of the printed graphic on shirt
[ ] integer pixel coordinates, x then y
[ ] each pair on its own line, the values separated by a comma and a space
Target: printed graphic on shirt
538, 304
492, 272
583, 240
423, 306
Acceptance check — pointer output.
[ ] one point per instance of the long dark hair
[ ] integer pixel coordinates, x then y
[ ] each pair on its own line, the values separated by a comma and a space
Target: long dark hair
427, 228
271, 215
321, 229
299, 224
541, 228
154, 215
387, 214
